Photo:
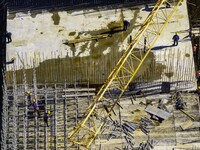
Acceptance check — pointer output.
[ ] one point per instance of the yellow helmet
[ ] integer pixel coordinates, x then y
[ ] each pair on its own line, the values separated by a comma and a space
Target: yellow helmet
198, 87
176, 32
33, 100
28, 92
49, 112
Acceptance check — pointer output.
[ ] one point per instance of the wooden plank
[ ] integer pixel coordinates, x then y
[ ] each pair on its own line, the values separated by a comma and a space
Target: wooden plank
186, 124
157, 112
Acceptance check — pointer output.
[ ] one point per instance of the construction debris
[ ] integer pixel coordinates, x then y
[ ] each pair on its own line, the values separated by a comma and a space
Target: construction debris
127, 129
161, 105
147, 145
180, 104
186, 124
157, 112
191, 117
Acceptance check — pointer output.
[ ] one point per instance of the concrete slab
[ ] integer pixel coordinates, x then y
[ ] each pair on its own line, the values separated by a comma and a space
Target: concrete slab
40, 37
157, 112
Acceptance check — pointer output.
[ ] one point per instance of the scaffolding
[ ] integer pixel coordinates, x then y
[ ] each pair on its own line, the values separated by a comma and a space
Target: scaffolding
24, 129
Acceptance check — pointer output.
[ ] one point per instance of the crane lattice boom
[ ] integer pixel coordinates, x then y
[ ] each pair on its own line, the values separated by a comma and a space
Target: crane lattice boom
102, 107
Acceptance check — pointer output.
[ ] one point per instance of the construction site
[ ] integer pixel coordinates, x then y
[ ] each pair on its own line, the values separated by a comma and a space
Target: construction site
100, 75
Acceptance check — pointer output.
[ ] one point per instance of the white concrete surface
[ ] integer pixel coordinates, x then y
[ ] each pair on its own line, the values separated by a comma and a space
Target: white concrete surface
27, 37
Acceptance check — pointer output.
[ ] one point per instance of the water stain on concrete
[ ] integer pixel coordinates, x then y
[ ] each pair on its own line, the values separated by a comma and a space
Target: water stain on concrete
11, 16
72, 33
18, 43
56, 18
187, 55
60, 30
169, 74
180, 16
35, 13
118, 36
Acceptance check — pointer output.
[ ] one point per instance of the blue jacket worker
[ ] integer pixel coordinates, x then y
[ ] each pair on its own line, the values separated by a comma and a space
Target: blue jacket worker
8, 37
36, 107
126, 25
176, 39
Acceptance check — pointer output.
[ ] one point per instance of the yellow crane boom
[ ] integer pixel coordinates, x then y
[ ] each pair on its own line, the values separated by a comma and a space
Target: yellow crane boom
101, 107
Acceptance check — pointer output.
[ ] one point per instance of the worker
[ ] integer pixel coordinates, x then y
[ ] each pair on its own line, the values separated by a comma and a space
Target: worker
35, 106
28, 94
198, 90
126, 25
147, 8
46, 117
194, 48
8, 37
176, 39
195, 52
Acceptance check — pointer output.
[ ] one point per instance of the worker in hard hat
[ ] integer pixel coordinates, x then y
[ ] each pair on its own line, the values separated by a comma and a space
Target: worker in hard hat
46, 117
28, 94
35, 106
198, 90
126, 25
175, 39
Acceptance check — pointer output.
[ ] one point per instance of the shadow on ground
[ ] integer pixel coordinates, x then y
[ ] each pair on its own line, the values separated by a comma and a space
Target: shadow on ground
161, 47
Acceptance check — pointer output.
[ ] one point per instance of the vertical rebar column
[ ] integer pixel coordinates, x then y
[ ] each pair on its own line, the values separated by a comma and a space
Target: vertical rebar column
4, 115
45, 110
14, 113
88, 97
25, 111
76, 109
65, 119
35, 95
55, 117
76, 103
